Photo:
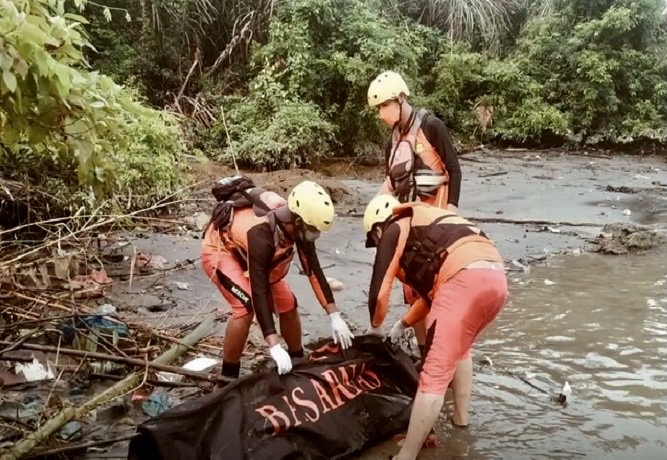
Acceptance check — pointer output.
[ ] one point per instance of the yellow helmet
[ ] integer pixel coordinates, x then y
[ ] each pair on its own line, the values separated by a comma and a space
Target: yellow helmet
378, 210
313, 204
386, 86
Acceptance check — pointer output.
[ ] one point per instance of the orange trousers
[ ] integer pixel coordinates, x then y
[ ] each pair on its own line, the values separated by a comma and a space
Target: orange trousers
462, 307
281, 295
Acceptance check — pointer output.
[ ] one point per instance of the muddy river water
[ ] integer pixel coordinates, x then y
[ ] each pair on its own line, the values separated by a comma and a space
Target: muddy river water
602, 326
598, 322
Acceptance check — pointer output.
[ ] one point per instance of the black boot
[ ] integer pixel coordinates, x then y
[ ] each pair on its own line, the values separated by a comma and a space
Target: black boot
229, 373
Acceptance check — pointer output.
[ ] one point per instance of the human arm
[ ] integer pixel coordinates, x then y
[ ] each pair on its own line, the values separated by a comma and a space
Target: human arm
260, 255
385, 268
438, 136
311, 266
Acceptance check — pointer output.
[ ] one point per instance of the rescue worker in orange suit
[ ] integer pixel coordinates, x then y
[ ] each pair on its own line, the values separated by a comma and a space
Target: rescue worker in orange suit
420, 159
248, 261
460, 279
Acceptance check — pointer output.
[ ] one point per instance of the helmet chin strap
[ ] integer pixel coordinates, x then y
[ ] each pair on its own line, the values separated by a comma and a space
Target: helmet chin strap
400, 115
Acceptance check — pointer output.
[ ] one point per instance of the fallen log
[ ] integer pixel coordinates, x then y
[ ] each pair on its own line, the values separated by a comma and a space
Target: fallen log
498, 220
25, 445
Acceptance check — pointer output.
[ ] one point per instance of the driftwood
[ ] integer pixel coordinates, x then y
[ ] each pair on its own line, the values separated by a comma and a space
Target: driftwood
132, 381
80, 446
106, 357
497, 220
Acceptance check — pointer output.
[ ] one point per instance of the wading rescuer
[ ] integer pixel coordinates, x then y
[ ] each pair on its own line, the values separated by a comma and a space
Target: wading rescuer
247, 251
420, 158
459, 277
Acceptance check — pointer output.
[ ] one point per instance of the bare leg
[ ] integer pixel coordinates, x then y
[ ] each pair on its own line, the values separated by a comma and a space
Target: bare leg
462, 388
290, 329
420, 334
425, 411
236, 335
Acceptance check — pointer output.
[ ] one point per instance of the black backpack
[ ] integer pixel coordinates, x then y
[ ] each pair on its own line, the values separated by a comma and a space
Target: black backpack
231, 193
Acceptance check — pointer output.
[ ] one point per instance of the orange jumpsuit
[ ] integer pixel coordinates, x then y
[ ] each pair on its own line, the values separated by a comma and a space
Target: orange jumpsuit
248, 262
457, 301
425, 145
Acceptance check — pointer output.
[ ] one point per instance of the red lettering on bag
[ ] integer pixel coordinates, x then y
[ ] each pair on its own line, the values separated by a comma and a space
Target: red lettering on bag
307, 404
365, 384
351, 381
325, 350
337, 387
273, 415
375, 382
297, 422
324, 397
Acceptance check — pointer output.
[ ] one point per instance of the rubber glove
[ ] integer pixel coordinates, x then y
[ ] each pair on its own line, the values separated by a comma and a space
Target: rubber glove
339, 330
376, 331
397, 331
282, 359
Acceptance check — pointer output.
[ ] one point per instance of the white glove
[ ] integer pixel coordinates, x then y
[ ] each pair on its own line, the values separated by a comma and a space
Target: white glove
340, 332
397, 331
282, 359
376, 331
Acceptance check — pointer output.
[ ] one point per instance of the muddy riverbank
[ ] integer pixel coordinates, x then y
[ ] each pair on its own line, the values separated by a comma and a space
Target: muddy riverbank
597, 321
544, 210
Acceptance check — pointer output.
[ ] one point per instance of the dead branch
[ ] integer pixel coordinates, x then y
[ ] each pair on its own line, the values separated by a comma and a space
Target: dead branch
496, 220
132, 381
492, 174
245, 34
107, 357
195, 64
81, 446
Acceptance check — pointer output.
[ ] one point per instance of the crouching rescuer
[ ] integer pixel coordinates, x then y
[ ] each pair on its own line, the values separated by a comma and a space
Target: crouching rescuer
459, 277
247, 250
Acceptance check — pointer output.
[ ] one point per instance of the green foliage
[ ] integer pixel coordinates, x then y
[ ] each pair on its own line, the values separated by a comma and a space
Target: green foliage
468, 81
272, 129
322, 54
605, 67
60, 121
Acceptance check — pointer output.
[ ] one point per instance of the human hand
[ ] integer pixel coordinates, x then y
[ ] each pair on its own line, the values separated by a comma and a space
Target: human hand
376, 331
282, 359
340, 332
397, 331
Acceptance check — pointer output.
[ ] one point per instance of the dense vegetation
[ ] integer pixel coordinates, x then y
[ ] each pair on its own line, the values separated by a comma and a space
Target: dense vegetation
280, 83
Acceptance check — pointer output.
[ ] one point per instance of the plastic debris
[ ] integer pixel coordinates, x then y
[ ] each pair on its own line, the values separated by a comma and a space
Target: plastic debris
564, 393
199, 364
156, 403
71, 431
34, 371
335, 284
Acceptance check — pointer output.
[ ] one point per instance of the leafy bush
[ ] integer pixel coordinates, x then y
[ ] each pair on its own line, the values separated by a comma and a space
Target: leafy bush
60, 121
468, 83
272, 130
603, 66
321, 55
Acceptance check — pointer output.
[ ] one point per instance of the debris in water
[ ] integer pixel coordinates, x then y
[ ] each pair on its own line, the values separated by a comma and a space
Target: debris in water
485, 361
564, 393
548, 282
627, 212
